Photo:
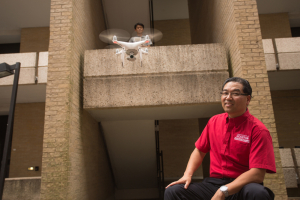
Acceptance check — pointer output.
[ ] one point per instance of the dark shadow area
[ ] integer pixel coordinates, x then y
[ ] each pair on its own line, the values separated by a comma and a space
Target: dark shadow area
10, 48
3, 126
295, 31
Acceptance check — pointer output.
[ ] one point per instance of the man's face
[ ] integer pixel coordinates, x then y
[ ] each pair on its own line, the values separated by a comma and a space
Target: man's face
232, 103
139, 29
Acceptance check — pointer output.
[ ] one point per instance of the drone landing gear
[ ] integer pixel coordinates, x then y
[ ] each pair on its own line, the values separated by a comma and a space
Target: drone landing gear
122, 52
142, 51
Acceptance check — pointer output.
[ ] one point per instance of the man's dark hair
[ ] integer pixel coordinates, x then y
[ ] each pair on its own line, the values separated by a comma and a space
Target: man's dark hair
138, 24
246, 85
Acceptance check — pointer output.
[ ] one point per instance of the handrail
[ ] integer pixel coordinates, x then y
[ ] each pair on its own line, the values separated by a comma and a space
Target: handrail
159, 164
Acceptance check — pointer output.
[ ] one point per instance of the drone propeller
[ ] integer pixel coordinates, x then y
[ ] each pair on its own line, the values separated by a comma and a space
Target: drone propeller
107, 35
154, 34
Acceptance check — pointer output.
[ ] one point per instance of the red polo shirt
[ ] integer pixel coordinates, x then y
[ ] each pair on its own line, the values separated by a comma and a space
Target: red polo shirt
236, 145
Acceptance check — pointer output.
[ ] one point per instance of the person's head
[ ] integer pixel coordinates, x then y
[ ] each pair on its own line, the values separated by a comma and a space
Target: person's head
139, 28
236, 96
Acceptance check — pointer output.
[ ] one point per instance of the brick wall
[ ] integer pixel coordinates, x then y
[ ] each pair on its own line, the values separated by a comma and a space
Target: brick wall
175, 32
73, 153
176, 139
27, 142
235, 23
287, 117
34, 39
275, 25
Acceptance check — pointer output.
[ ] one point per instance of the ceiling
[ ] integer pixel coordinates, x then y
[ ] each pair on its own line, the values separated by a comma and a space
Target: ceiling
158, 112
26, 94
18, 14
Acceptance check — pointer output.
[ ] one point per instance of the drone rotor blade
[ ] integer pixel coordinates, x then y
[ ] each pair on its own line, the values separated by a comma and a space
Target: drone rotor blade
107, 35
112, 46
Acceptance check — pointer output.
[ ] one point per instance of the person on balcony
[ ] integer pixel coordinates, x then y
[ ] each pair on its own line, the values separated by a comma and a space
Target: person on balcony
139, 29
241, 153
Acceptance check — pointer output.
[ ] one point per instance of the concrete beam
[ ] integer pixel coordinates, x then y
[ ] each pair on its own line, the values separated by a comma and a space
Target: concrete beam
154, 90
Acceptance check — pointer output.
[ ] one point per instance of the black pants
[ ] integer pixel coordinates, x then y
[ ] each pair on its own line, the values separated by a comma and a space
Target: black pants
208, 187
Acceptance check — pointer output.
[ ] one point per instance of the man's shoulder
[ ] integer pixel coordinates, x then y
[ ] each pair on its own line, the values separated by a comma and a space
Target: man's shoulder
218, 117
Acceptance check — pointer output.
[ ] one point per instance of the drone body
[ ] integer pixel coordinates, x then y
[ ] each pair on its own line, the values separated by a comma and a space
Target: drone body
136, 45
131, 48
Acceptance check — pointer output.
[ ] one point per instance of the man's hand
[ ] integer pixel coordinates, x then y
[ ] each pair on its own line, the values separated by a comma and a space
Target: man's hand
186, 179
218, 195
195, 161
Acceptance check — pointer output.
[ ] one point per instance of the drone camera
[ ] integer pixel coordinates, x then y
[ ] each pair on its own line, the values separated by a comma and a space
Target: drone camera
131, 57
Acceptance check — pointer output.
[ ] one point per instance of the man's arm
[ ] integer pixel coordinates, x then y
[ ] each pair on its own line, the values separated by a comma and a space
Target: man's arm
195, 161
254, 175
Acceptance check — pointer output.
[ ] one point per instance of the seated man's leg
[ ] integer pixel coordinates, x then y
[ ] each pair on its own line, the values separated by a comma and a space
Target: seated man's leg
254, 191
197, 191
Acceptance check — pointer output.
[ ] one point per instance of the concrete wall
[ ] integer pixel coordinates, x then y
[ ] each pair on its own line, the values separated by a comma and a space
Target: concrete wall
27, 142
286, 110
177, 138
22, 188
175, 32
73, 158
34, 39
275, 25
236, 25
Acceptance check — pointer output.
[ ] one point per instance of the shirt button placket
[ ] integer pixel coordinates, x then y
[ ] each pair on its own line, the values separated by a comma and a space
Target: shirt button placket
224, 148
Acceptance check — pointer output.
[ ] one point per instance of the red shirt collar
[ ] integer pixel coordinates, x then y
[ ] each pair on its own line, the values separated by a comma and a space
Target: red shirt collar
238, 120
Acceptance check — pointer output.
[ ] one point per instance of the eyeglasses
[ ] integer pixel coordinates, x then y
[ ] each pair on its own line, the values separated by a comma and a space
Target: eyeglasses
233, 94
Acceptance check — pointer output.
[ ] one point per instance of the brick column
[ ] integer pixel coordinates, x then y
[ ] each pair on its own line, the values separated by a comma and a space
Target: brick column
74, 163
253, 68
56, 161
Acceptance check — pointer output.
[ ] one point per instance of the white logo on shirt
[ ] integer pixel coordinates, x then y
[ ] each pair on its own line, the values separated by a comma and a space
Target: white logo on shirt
242, 138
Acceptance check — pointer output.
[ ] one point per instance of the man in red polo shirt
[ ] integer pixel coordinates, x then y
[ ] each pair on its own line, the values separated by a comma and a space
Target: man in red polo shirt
241, 152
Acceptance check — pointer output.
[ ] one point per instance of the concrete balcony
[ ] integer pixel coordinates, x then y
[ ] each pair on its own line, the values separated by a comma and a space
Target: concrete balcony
285, 52
175, 81
32, 80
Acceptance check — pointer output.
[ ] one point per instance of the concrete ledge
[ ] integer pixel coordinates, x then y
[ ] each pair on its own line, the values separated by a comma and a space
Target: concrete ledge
290, 177
289, 61
297, 156
161, 59
154, 90
268, 46
43, 59
22, 178
28, 67
288, 45
25, 188
270, 62
288, 53
42, 74
26, 59
27, 76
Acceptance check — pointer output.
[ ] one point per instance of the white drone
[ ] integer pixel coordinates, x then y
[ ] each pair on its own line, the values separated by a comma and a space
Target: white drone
131, 48
137, 45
